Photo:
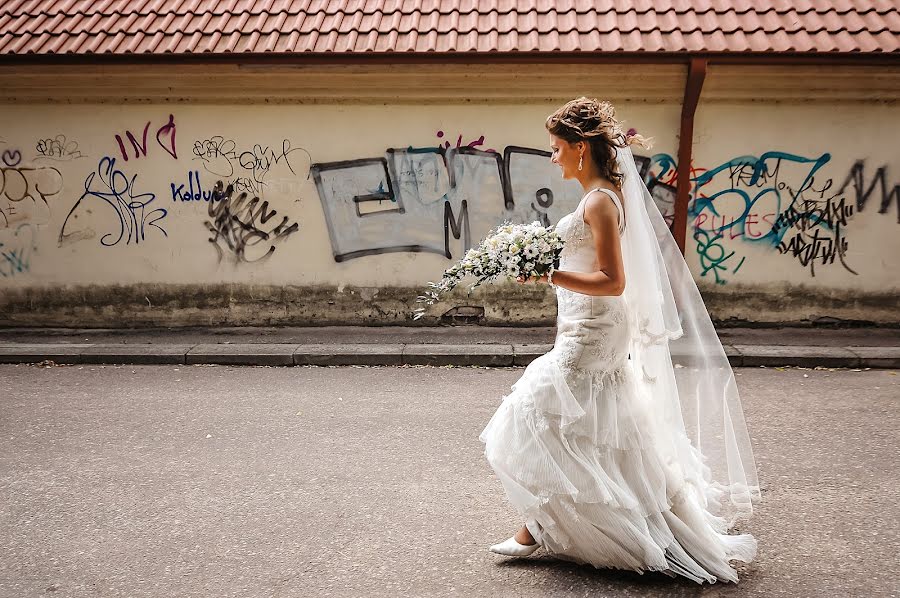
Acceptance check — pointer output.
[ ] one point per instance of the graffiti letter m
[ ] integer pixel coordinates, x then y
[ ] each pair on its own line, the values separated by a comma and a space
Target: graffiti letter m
459, 227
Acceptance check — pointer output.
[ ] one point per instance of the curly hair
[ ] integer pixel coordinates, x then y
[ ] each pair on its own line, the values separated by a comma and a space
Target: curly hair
585, 119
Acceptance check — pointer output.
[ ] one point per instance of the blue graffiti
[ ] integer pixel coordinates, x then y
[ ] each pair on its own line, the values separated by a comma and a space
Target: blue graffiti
16, 258
113, 188
13, 261
191, 194
762, 174
712, 254
667, 165
811, 212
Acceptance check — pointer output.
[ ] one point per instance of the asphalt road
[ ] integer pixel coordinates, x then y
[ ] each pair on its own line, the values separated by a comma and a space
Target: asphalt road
303, 481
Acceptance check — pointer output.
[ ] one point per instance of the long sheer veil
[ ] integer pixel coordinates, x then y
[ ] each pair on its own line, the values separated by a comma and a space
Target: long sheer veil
680, 361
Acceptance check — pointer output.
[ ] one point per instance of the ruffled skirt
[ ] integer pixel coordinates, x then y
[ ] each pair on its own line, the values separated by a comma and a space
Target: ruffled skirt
583, 462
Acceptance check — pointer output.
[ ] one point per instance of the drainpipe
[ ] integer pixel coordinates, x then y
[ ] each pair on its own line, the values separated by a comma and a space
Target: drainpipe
692, 89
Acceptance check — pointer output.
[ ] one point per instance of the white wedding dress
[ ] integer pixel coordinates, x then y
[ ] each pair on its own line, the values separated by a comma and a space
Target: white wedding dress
579, 450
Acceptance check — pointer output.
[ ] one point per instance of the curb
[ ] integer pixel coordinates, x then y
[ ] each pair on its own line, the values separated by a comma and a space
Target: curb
485, 355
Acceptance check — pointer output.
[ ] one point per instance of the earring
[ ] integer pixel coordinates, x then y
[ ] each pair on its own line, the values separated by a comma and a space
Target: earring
580, 161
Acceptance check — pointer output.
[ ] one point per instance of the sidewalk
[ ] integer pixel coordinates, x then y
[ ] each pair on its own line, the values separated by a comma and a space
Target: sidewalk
393, 345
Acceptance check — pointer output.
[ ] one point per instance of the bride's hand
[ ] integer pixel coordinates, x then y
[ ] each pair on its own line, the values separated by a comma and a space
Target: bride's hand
523, 280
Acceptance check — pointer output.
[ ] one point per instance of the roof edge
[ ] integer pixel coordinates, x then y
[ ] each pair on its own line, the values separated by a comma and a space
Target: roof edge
310, 58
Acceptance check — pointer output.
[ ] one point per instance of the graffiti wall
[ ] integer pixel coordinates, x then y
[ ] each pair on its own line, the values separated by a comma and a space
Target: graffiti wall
187, 198
799, 195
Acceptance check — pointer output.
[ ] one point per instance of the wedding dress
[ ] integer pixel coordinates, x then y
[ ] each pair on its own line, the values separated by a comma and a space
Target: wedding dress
591, 445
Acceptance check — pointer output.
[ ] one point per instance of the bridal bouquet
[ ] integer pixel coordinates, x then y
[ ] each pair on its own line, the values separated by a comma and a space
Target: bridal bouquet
513, 250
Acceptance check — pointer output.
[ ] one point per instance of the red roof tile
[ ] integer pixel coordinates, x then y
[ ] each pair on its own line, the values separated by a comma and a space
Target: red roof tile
359, 26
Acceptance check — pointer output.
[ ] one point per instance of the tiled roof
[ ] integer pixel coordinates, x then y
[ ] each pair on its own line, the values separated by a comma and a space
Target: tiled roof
419, 26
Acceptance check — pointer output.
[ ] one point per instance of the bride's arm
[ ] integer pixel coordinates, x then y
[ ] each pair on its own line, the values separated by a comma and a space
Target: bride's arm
602, 216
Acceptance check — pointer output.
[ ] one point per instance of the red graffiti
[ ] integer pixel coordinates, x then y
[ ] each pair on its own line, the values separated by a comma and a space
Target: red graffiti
752, 226
140, 149
459, 142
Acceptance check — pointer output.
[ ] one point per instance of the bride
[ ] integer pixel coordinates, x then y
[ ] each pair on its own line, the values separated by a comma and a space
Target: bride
624, 446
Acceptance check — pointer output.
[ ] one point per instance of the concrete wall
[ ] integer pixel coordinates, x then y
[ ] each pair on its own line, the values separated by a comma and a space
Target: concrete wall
799, 203
116, 210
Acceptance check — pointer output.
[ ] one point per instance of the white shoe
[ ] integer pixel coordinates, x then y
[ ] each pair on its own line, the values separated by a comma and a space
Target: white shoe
512, 548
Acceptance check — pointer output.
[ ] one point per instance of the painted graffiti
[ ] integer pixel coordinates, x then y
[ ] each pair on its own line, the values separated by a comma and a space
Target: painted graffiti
421, 199
781, 200
664, 196
247, 170
194, 191
437, 199
830, 212
217, 154
819, 235
242, 223
25, 194
660, 173
713, 255
57, 148
777, 199
857, 179
165, 137
16, 248
245, 227
130, 215
755, 225
259, 160
459, 142
11, 157
818, 246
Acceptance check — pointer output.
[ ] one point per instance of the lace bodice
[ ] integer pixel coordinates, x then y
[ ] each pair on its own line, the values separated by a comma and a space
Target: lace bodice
578, 253
592, 331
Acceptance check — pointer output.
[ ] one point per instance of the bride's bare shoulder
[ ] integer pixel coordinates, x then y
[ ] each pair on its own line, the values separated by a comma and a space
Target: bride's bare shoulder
599, 207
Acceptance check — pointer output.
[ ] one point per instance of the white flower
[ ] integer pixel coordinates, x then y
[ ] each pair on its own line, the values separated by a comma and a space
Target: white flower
513, 250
